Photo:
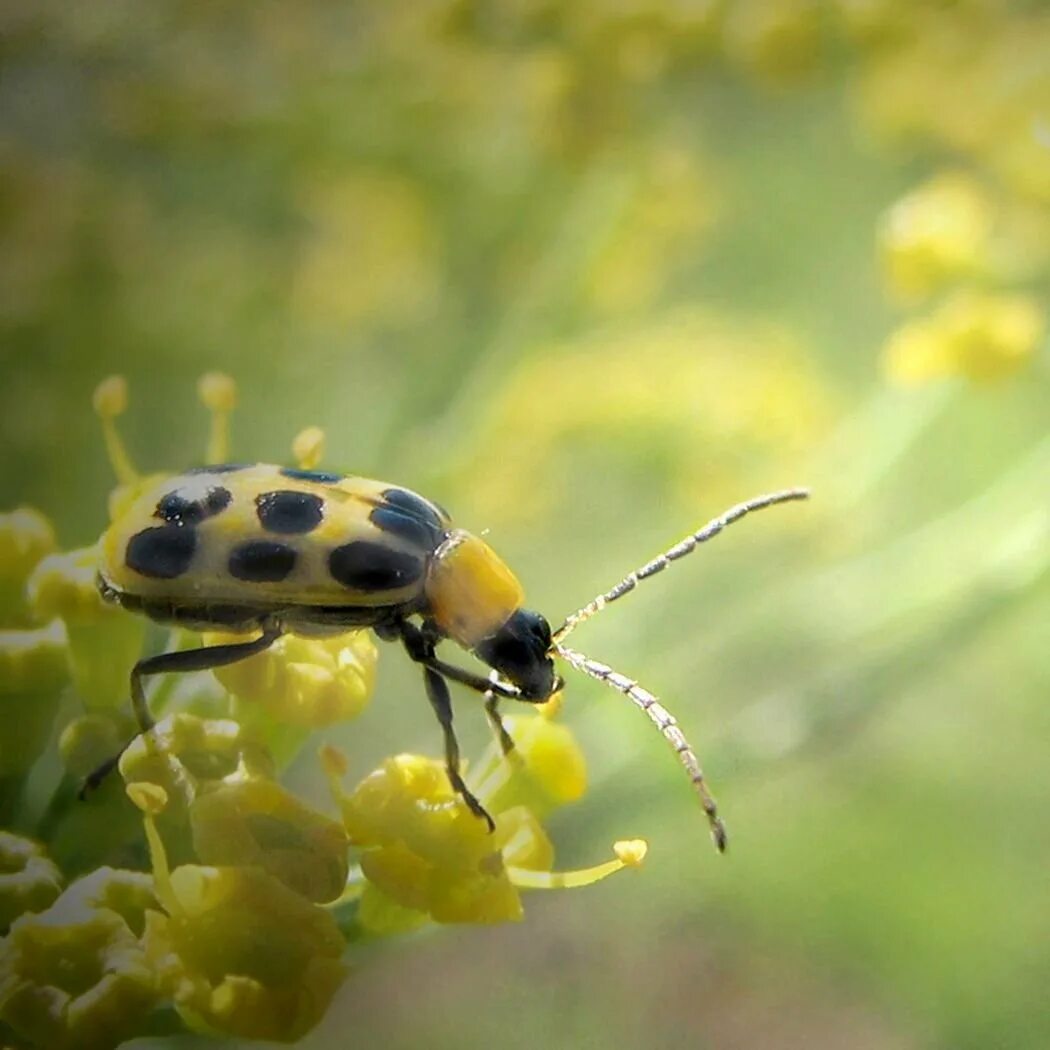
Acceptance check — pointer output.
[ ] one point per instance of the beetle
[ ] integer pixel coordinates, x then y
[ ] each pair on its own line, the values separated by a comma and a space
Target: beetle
267, 549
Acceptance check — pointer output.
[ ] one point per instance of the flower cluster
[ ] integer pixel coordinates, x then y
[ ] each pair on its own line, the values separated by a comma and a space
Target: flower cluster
201, 892
972, 80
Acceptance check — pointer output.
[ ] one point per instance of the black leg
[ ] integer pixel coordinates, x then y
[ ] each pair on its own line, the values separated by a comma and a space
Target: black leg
506, 742
420, 647
437, 691
183, 661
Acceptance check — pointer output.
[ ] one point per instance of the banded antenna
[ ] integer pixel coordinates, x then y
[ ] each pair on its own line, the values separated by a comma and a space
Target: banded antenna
658, 714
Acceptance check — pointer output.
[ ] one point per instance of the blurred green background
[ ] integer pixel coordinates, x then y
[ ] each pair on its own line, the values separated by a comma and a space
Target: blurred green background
587, 274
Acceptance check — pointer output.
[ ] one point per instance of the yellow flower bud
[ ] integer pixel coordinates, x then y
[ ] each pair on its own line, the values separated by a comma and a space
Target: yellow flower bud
111, 397
546, 770
26, 536
259, 823
182, 752
110, 401
218, 392
309, 683
29, 880
34, 668
104, 641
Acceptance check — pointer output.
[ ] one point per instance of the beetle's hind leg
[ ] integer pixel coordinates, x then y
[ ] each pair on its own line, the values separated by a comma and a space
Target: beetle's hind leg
180, 662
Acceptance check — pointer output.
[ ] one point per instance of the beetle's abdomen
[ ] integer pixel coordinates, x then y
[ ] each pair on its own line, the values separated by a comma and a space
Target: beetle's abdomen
271, 536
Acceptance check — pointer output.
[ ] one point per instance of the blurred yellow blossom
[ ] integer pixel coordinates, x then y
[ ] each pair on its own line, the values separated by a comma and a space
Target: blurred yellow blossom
779, 40
937, 233
671, 391
974, 79
981, 336
369, 251
673, 204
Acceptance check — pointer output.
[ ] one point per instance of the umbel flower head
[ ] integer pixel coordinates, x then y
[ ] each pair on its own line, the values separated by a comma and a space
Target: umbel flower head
239, 927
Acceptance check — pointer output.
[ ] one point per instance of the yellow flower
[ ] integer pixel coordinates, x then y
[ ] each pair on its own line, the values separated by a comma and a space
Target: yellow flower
258, 823
29, 880
777, 39
184, 753
308, 683
977, 335
935, 234
26, 536
546, 770
238, 951
33, 671
104, 641
76, 976
425, 855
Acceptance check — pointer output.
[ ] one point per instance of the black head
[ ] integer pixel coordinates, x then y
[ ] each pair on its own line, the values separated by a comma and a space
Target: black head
521, 652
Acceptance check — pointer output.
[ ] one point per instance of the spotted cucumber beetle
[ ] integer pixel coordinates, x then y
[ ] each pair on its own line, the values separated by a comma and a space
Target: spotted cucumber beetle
274, 550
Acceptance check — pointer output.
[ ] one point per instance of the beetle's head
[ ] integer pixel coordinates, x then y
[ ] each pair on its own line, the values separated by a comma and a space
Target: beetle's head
521, 652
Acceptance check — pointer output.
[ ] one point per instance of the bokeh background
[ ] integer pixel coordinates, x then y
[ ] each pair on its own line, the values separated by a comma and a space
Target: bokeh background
586, 274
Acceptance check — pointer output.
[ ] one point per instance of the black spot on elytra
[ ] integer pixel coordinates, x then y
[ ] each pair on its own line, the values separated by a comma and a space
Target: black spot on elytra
320, 476
416, 506
261, 561
289, 512
175, 508
406, 526
163, 552
219, 468
366, 566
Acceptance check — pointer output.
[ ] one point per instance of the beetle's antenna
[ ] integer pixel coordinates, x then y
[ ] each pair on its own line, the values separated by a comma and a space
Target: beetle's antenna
664, 721
679, 550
